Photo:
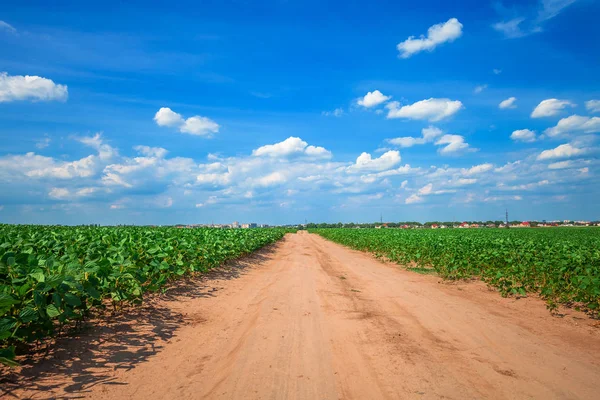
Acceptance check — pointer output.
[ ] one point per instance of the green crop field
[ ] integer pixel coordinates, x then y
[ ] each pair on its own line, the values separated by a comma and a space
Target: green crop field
561, 264
52, 275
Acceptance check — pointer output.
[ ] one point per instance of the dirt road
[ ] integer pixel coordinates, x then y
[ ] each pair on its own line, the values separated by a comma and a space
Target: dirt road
310, 319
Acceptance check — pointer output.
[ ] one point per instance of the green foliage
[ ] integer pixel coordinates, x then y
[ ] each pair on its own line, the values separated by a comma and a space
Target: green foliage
562, 264
52, 275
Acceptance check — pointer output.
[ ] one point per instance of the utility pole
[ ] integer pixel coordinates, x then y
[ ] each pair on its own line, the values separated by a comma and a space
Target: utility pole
381, 218
507, 218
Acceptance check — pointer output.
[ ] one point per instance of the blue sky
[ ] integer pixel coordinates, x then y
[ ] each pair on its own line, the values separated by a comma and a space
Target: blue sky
283, 111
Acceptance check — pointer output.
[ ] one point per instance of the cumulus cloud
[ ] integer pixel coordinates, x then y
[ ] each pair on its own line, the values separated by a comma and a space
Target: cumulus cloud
200, 126
508, 103
292, 146
167, 117
593, 106
523, 135
478, 169
454, 144
196, 125
272, 179
437, 34
372, 99
428, 135
574, 124
560, 165
32, 88
413, 199
148, 151
550, 107
562, 151
431, 109
365, 162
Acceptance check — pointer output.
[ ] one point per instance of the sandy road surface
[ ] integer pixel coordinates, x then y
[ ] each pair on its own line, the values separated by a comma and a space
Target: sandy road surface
310, 319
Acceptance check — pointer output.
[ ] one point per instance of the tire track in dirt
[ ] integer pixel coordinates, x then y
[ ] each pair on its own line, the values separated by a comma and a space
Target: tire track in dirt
314, 320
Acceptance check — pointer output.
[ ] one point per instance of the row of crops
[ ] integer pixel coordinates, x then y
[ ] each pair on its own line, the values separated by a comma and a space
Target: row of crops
50, 276
561, 264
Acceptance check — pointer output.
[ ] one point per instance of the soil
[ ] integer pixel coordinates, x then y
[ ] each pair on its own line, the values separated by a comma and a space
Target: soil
310, 319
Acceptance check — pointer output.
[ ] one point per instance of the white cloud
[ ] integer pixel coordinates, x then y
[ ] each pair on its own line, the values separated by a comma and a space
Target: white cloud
550, 107
533, 23
407, 141
338, 112
372, 99
37, 167
525, 186
508, 103
59, 193
317, 151
148, 151
196, 125
478, 169
365, 162
497, 71
33, 88
574, 124
454, 144
291, 146
593, 106
562, 151
5, 26
425, 190
167, 117
105, 151
523, 135
272, 179
431, 109
200, 126
404, 184
560, 165
480, 88
437, 34
43, 142
413, 199
428, 135
510, 29
551, 8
